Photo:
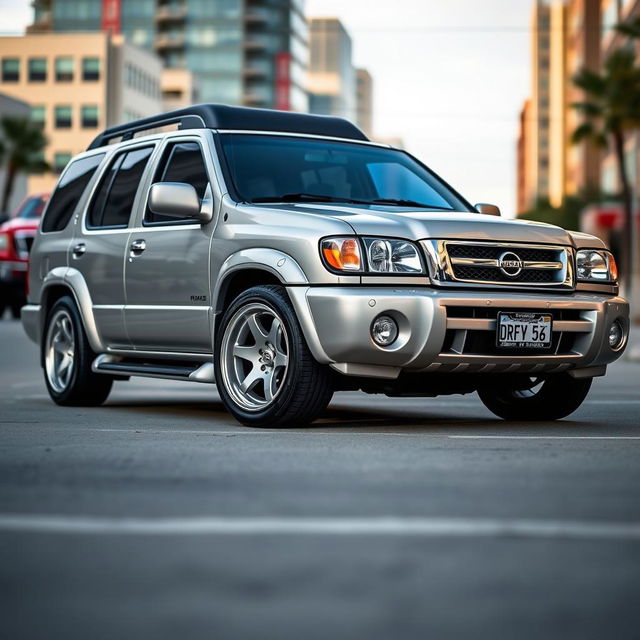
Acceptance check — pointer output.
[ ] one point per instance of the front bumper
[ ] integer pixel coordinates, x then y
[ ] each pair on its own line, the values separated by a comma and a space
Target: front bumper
452, 331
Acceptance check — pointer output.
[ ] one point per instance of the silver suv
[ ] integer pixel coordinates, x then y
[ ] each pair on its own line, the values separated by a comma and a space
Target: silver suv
284, 256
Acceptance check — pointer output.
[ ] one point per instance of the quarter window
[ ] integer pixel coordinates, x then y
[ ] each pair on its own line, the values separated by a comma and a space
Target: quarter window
10, 69
112, 204
37, 69
181, 162
64, 69
69, 191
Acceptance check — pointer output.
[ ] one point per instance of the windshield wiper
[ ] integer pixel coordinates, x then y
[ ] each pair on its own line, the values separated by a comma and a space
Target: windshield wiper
408, 203
305, 197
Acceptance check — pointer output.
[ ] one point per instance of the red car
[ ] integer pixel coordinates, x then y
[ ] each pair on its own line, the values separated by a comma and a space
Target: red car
16, 238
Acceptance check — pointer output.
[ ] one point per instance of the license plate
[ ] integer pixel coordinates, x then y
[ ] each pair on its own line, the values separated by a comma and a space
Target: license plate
519, 330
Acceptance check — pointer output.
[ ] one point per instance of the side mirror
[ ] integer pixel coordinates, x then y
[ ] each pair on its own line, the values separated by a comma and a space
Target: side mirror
180, 200
488, 209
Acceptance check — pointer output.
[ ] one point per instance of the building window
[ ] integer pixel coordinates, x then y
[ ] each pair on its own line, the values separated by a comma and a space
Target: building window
89, 116
60, 161
38, 114
64, 69
37, 69
10, 69
63, 116
90, 69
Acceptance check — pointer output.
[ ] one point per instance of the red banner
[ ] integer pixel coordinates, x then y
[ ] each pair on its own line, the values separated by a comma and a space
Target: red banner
283, 81
111, 15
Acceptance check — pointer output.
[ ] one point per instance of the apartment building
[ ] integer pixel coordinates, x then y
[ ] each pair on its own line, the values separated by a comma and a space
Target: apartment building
364, 101
76, 85
332, 76
243, 52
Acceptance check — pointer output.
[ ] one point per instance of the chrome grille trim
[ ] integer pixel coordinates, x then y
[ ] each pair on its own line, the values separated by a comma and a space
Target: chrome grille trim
442, 266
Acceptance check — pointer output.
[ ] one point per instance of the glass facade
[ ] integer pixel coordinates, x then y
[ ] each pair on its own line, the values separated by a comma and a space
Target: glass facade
229, 45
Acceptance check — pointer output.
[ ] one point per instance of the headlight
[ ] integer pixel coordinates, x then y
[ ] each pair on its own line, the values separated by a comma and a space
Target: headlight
382, 255
342, 254
4, 241
392, 256
596, 266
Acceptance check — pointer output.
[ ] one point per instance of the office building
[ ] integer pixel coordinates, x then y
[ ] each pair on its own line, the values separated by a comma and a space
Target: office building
332, 76
12, 108
76, 85
243, 52
364, 101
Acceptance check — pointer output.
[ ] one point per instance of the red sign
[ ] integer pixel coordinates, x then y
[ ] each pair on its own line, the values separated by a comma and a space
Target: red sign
111, 16
283, 81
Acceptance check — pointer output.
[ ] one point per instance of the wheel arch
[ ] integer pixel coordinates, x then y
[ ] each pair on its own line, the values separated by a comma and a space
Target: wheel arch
69, 281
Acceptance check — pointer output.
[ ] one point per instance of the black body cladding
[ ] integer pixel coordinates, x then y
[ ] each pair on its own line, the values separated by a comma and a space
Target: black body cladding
220, 116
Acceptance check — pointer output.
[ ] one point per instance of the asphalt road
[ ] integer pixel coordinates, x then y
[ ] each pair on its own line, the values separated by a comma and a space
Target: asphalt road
157, 516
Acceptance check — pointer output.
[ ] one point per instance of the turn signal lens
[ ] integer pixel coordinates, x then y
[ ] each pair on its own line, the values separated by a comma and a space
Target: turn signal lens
613, 268
342, 254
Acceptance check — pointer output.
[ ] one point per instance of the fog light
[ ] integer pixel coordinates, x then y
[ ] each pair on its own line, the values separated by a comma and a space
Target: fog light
384, 330
616, 335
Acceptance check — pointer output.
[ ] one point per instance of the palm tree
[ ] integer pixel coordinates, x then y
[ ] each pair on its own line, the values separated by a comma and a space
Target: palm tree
21, 145
611, 108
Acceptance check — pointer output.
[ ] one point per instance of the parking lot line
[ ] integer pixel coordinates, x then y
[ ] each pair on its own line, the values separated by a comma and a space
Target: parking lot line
332, 526
516, 437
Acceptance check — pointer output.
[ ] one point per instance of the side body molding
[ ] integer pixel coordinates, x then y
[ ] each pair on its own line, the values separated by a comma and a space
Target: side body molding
73, 280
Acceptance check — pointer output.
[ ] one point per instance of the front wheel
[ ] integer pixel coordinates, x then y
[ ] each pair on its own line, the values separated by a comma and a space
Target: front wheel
265, 373
535, 399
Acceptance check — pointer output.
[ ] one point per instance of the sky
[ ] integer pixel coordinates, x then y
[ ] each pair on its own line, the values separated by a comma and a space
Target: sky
450, 77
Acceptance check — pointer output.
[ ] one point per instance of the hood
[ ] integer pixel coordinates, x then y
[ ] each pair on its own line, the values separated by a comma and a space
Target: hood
400, 222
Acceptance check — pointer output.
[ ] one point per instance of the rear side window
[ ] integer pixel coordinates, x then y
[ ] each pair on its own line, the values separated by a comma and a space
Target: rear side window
112, 204
69, 191
181, 162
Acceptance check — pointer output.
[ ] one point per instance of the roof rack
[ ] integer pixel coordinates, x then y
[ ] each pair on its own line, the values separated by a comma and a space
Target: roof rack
221, 116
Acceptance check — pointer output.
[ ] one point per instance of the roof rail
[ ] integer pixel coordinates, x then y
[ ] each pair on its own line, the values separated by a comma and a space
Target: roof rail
221, 116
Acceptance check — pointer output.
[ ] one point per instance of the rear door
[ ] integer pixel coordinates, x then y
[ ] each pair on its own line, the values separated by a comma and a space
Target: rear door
99, 251
167, 266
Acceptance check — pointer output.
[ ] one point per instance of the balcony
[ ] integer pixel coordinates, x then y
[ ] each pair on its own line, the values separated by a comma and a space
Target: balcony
166, 41
171, 13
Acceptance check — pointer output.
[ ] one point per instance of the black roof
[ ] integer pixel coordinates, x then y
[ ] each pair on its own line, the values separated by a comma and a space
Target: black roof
222, 116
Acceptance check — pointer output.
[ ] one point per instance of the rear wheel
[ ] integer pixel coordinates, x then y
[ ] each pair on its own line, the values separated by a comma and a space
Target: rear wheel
67, 359
536, 399
265, 373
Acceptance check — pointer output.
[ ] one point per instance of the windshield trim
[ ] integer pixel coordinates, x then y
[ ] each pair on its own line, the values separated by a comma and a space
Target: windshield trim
235, 196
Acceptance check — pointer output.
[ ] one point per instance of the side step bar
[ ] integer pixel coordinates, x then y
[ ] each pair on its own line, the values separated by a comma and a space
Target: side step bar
115, 365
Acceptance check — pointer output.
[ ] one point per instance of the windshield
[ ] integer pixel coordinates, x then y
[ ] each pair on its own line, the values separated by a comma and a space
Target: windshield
31, 208
267, 168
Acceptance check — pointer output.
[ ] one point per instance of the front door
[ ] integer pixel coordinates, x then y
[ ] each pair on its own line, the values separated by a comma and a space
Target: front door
167, 265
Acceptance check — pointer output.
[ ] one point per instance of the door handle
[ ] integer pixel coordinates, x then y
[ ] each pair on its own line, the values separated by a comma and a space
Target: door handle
138, 246
79, 250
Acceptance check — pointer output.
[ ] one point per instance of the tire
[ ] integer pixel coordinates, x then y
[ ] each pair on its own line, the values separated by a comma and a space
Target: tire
67, 358
265, 373
15, 310
534, 400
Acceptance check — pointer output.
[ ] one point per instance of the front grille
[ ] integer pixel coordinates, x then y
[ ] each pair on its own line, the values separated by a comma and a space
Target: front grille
482, 341
505, 264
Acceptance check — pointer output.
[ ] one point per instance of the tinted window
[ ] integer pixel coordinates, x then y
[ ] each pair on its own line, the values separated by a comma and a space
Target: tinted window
68, 192
32, 208
181, 162
282, 169
113, 201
